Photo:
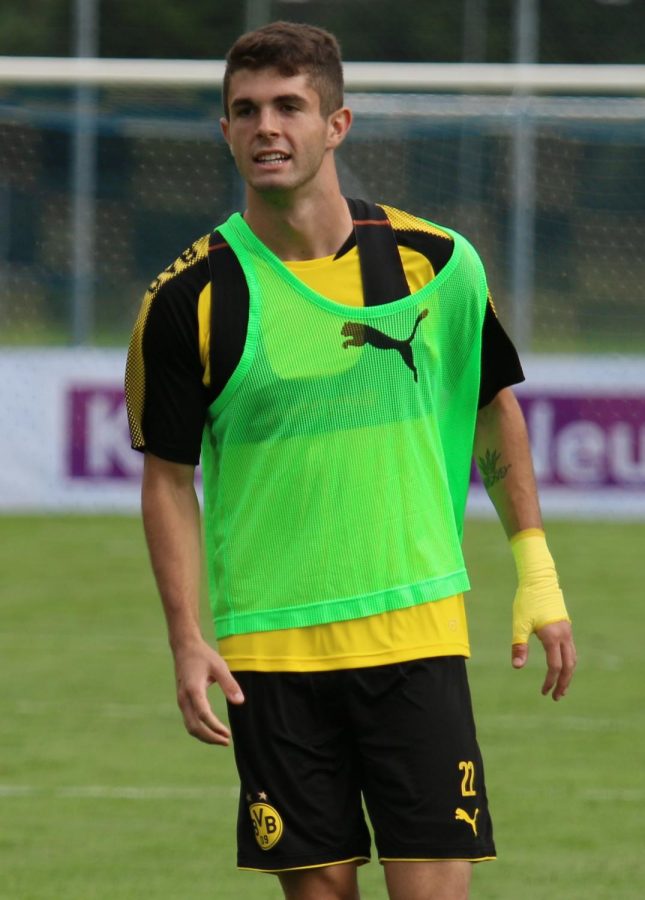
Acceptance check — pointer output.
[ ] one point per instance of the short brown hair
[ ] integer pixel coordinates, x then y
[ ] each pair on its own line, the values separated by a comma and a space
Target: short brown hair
291, 48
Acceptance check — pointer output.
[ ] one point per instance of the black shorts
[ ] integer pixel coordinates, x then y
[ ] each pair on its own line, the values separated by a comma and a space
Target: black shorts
311, 747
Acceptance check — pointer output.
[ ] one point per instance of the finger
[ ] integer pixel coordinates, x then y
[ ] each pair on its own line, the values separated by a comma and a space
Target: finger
200, 720
568, 652
557, 640
554, 667
228, 685
519, 655
206, 735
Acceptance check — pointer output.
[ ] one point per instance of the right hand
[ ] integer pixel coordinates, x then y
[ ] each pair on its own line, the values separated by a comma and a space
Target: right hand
197, 666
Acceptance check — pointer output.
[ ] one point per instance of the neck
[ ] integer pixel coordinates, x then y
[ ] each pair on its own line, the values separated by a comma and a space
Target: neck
299, 226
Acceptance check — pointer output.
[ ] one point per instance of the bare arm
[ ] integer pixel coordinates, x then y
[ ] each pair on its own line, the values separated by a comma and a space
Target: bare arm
171, 520
503, 457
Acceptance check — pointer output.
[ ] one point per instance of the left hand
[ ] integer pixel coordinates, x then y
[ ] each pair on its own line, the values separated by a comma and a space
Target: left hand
557, 640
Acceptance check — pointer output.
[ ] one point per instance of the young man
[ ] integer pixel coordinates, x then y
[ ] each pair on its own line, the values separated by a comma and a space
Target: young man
337, 362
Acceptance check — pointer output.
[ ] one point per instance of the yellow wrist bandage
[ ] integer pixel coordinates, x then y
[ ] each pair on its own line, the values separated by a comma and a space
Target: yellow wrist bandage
538, 600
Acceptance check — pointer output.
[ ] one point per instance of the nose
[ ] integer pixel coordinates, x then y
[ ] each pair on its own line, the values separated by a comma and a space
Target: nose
267, 123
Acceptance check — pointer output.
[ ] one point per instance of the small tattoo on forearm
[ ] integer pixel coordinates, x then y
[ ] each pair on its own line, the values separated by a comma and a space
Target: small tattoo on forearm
490, 469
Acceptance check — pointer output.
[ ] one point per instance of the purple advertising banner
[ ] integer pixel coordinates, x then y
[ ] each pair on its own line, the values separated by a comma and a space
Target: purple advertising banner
578, 440
586, 440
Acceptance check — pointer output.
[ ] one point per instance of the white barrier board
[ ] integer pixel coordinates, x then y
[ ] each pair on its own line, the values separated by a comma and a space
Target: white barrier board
65, 446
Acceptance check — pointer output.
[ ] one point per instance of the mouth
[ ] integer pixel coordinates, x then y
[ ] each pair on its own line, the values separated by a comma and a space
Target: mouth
271, 158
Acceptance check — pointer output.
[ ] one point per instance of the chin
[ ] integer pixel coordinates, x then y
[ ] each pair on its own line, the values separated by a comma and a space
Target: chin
271, 186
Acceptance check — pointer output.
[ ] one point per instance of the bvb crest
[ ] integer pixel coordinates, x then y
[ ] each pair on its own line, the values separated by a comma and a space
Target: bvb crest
267, 825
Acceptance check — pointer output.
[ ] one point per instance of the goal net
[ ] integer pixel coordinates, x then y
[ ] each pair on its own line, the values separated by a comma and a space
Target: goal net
103, 184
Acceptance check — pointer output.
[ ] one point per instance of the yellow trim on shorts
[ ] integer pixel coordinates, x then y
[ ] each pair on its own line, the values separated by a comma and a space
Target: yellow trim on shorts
361, 860
470, 859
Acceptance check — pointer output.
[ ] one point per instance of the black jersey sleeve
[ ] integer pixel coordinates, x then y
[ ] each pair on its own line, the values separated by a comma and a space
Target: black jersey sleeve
165, 394
500, 364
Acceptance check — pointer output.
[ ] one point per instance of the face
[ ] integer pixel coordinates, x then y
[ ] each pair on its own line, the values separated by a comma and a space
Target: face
277, 135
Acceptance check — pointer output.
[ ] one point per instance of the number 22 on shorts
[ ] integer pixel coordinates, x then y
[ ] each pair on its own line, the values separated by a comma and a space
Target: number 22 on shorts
467, 767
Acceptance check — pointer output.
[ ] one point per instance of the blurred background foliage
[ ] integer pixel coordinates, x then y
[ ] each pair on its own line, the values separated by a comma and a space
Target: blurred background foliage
101, 189
574, 31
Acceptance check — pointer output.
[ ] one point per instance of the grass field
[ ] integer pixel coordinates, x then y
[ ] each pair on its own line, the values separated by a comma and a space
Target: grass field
103, 796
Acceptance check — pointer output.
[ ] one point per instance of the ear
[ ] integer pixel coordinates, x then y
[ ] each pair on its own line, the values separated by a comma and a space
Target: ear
224, 124
339, 124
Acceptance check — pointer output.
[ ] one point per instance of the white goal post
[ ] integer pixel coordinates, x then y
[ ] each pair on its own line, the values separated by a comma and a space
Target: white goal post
359, 76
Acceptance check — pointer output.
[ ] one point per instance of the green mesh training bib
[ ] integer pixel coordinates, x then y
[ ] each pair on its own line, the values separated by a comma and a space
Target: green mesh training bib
336, 460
